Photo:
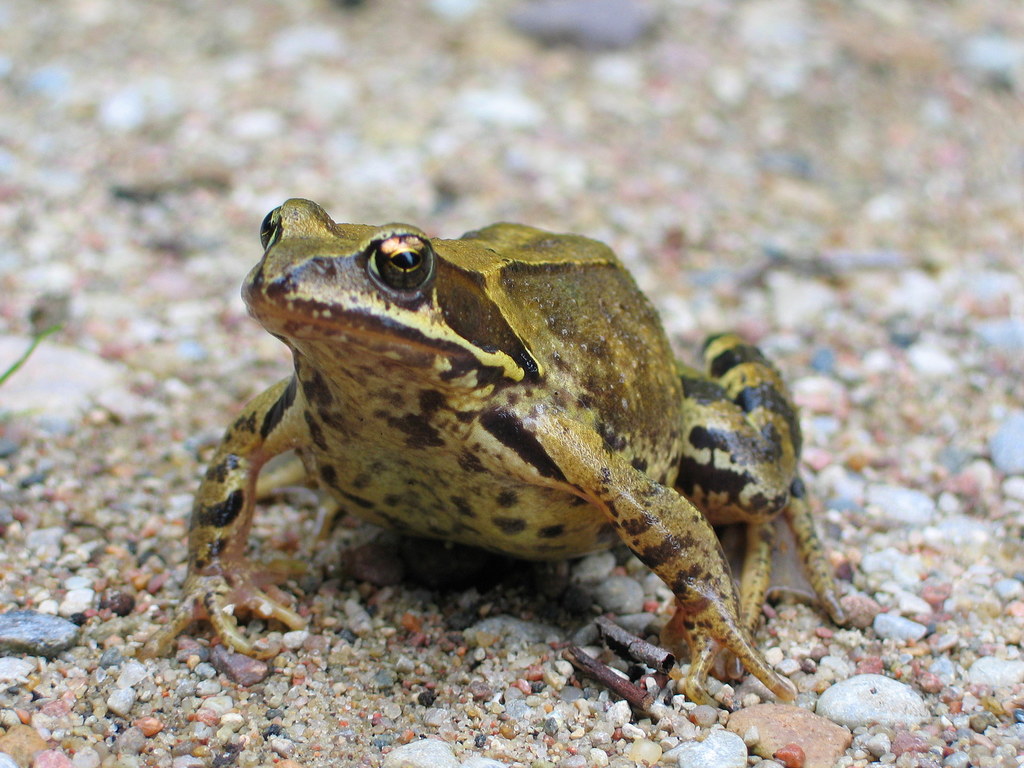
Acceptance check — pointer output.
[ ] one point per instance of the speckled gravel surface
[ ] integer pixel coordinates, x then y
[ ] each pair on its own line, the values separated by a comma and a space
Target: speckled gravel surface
841, 181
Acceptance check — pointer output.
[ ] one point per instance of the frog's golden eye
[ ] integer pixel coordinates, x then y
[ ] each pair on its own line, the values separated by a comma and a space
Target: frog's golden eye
270, 229
401, 262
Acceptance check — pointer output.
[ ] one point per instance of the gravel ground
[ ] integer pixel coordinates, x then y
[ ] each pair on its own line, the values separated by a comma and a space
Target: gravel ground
843, 182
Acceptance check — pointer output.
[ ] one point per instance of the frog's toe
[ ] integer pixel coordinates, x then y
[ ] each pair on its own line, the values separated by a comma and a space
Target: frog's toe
212, 597
707, 634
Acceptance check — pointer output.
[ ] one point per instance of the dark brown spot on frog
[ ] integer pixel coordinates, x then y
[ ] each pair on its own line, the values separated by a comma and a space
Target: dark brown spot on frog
245, 423
508, 499
392, 500
277, 411
510, 432
315, 388
462, 507
551, 531
329, 475
333, 419
219, 472
639, 464
661, 553
316, 433
431, 400
510, 525
361, 480
221, 514
470, 462
359, 501
634, 526
612, 440
419, 432
731, 357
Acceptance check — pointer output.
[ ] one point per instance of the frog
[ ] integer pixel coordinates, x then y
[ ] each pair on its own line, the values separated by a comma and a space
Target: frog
512, 390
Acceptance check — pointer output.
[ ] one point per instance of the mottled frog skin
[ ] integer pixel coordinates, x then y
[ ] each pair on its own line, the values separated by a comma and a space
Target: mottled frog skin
511, 390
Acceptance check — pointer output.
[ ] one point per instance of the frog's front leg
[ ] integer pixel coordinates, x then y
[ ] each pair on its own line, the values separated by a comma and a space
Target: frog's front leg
741, 451
220, 577
670, 535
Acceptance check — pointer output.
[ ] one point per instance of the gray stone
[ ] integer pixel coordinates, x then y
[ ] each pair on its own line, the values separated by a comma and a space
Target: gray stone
586, 23
893, 627
866, 699
722, 749
1007, 445
619, 594
36, 634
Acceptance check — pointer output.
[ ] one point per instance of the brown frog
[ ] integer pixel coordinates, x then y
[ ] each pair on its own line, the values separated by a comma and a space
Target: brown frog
511, 390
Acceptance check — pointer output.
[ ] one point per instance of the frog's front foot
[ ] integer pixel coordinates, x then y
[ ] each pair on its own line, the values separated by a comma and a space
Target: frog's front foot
216, 597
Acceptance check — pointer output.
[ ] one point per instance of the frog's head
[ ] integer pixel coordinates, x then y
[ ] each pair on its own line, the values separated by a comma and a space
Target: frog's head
383, 291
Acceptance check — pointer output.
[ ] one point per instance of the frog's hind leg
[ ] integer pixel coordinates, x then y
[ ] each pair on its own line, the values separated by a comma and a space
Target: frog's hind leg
672, 537
740, 455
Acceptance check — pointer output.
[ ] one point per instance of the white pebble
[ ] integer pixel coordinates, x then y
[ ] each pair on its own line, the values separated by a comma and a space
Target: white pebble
893, 627
121, 701
996, 672
427, 753
865, 699
902, 506
76, 601
722, 749
1008, 589
482, 762
618, 714
1007, 445
14, 670
132, 673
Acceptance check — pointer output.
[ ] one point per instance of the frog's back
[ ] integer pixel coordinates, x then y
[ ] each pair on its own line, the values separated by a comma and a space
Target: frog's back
598, 340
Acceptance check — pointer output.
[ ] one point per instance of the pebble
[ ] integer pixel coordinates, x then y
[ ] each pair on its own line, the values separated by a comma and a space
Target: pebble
893, 627
121, 701
6, 761
645, 752
994, 56
722, 749
76, 601
594, 568
52, 758
36, 634
427, 753
592, 24
22, 742
512, 630
865, 699
619, 594
57, 380
778, 725
1007, 445
901, 506
1005, 334
14, 670
482, 762
906, 570
861, 610
996, 672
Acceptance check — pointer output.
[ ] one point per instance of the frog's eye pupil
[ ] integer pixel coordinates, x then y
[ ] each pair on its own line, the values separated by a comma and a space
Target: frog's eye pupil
401, 262
270, 229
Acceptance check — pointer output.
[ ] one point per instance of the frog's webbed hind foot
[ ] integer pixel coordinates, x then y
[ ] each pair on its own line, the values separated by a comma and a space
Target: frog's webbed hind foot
703, 630
216, 598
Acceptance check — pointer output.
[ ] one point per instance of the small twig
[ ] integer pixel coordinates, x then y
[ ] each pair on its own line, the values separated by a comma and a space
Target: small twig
628, 645
637, 695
